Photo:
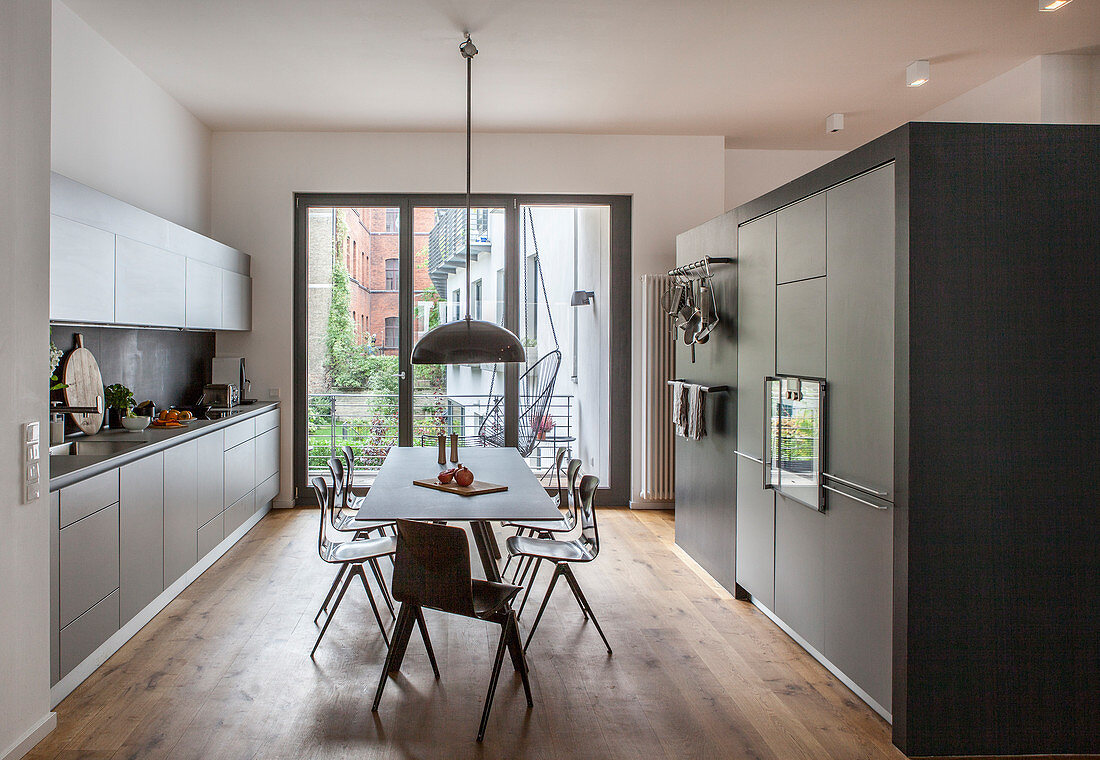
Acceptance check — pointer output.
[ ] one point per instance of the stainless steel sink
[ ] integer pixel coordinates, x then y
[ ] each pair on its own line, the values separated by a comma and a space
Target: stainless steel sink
94, 448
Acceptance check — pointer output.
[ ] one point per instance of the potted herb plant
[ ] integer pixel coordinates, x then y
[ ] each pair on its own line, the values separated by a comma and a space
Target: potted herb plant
119, 401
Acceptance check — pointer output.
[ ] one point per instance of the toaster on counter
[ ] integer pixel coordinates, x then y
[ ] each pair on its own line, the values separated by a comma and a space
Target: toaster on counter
221, 395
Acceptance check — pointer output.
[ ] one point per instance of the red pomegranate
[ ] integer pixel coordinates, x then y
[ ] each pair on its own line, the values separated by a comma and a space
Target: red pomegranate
463, 476
445, 476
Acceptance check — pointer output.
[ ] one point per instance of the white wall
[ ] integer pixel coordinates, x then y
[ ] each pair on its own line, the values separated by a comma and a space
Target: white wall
1070, 89
1014, 97
114, 129
676, 183
751, 173
24, 338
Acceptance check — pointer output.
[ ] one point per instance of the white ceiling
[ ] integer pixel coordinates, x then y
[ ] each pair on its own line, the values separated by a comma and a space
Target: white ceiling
763, 74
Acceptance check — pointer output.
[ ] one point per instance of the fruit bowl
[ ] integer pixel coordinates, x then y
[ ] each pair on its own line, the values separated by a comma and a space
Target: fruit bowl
136, 423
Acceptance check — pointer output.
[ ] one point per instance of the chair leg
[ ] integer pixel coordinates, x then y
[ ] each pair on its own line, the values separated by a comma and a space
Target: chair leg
427, 640
577, 586
331, 591
519, 661
358, 570
530, 585
399, 642
572, 581
542, 607
493, 681
382, 584
332, 613
402, 616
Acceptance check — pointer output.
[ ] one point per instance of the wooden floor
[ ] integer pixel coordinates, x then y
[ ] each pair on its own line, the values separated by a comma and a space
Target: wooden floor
224, 671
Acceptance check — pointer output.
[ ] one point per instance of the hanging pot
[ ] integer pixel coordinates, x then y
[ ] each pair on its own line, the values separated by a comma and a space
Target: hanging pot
710, 313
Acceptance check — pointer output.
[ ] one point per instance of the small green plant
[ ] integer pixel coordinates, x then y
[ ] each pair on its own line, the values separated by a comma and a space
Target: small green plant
55, 359
119, 397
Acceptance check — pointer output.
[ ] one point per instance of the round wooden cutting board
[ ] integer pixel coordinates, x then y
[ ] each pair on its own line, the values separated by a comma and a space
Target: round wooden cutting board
81, 375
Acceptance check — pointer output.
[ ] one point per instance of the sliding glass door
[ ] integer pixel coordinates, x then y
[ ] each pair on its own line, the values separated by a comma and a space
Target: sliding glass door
376, 272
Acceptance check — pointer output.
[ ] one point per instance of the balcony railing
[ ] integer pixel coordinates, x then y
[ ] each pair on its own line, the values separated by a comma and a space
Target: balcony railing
368, 423
447, 242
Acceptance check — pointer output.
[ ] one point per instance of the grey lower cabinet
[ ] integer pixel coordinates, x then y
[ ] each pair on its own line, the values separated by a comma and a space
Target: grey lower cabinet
87, 586
210, 466
755, 533
141, 534
181, 480
858, 602
240, 470
800, 569
859, 422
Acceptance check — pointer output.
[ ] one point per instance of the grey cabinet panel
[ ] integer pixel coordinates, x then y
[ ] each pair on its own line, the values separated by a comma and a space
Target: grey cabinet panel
266, 491
82, 499
800, 328
236, 301
800, 569
267, 455
800, 240
88, 562
859, 432
55, 587
210, 489
141, 534
755, 533
755, 328
859, 593
240, 511
240, 432
240, 471
149, 288
180, 503
82, 272
267, 421
84, 635
211, 534
203, 296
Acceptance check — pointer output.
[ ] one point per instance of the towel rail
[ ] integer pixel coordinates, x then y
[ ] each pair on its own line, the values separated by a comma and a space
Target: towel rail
707, 388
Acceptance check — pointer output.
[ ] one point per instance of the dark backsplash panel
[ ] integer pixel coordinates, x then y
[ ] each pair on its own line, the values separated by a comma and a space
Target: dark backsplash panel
167, 366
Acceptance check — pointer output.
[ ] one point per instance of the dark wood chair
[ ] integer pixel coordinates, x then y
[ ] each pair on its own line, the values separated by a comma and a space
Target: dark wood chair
563, 554
432, 570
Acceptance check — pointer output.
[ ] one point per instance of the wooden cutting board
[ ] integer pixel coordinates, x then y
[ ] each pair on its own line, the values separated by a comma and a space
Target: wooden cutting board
81, 375
476, 488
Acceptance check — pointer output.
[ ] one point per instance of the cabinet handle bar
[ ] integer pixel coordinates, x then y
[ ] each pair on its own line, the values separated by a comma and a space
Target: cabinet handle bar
854, 498
865, 489
748, 456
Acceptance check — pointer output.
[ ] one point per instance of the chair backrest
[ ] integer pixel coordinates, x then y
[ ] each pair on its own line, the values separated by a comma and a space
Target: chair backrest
536, 388
432, 567
559, 455
324, 501
339, 489
349, 469
572, 473
586, 511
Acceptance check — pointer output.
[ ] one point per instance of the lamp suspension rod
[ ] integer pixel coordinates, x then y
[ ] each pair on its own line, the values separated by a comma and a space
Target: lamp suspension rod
469, 107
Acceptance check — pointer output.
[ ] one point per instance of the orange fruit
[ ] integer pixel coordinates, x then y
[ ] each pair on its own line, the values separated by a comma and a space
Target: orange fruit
173, 415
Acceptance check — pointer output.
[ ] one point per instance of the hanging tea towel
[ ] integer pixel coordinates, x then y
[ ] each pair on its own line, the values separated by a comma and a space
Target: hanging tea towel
679, 408
696, 427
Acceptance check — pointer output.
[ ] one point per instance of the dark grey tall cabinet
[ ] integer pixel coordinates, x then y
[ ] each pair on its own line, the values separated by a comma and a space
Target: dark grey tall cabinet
943, 281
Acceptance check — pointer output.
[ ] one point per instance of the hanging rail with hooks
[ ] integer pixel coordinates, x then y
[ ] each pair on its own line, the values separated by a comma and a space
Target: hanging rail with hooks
703, 264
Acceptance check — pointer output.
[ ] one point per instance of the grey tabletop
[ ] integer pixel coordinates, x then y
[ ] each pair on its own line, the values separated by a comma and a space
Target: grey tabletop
393, 495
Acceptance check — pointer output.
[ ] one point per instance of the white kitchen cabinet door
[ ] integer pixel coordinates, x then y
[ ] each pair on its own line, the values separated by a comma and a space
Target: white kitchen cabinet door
236, 301
149, 285
204, 296
82, 272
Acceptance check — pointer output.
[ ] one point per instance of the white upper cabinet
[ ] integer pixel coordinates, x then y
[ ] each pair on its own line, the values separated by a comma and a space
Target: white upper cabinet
82, 272
112, 263
149, 285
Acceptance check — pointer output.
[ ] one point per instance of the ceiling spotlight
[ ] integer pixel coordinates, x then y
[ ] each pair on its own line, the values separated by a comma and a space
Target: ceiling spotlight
917, 73
835, 122
1052, 5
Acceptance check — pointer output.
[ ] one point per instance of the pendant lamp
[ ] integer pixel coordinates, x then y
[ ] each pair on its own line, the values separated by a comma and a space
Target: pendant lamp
468, 341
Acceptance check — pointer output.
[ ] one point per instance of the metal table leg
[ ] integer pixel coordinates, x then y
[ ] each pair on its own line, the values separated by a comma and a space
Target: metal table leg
485, 541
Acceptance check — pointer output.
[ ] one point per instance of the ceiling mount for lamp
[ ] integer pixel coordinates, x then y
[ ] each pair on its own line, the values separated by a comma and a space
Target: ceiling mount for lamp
468, 341
917, 73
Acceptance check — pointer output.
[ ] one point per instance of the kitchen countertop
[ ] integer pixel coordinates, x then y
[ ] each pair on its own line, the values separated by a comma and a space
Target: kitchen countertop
66, 469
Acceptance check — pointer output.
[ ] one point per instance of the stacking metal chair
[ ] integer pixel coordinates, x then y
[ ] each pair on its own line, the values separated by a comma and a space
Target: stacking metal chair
352, 502
566, 499
351, 554
432, 570
343, 521
563, 554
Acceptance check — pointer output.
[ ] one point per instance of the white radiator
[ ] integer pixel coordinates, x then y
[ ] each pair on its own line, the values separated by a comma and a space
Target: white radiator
658, 358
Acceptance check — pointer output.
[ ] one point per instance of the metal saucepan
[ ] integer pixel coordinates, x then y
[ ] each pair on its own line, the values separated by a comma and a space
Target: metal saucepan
709, 308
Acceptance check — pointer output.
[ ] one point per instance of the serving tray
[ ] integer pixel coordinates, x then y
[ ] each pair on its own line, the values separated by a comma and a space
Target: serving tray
476, 488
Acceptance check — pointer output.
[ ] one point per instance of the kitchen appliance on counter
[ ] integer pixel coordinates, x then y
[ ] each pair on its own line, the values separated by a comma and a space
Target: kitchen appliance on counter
794, 429
221, 395
229, 370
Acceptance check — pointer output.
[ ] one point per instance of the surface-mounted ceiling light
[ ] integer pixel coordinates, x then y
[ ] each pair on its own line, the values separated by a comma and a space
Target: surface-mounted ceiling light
834, 122
1052, 5
468, 341
917, 73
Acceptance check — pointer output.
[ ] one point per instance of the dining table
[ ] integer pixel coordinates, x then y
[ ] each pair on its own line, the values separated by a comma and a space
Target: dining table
394, 496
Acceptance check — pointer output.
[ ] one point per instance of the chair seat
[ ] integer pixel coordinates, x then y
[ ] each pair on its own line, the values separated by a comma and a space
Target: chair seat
361, 549
560, 525
490, 597
346, 521
548, 548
